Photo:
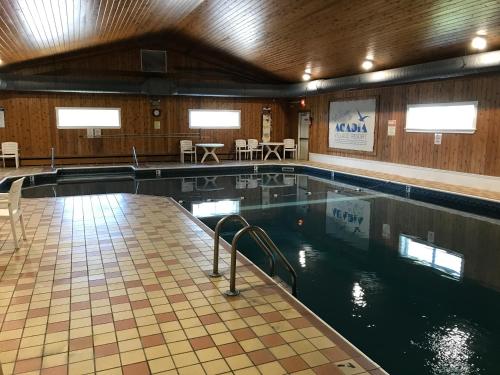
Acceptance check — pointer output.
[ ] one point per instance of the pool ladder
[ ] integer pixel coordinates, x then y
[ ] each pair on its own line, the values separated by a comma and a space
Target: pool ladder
262, 239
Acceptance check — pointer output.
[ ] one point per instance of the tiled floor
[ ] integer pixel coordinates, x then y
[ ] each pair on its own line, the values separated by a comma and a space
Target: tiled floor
117, 284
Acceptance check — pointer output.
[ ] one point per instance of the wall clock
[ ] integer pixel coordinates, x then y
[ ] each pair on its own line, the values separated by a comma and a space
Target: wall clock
156, 112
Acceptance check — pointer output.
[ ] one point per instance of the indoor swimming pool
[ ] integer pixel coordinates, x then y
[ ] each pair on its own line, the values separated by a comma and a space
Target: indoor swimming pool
413, 284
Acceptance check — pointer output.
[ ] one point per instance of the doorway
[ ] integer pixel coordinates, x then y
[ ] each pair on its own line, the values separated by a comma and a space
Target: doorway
303, 132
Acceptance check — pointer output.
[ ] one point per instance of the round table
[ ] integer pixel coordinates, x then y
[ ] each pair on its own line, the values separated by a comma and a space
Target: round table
272, 148
209, 149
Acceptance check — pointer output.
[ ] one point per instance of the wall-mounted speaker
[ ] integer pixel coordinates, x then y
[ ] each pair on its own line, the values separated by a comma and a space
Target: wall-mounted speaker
153, 61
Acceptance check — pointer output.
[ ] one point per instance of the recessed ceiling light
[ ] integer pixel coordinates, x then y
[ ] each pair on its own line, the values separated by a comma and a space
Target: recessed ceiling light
479, 42
306, 76
367, 64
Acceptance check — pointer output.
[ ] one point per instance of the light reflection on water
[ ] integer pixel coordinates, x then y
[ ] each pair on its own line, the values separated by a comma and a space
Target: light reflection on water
366, 285
307, 254
358, 295
451, 350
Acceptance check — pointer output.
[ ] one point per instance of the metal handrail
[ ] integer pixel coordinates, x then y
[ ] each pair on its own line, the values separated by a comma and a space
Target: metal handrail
134, 156
52, 157
259, 233
241, 220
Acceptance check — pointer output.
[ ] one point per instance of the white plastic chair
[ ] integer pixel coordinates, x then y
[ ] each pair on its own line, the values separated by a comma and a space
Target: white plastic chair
187, 148
253, 146
10, 150
10, 207
241, 148
289, 146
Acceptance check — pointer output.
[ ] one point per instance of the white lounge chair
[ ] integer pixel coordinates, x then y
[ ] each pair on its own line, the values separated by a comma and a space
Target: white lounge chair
10, 207
241, 148
187, 148
10, 150
289, 146
253, 146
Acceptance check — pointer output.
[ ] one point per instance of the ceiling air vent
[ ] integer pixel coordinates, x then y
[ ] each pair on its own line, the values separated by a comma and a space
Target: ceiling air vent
153, 61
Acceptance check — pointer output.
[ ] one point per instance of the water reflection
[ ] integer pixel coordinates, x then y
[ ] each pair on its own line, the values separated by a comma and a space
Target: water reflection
452, 352
302, 254
217, 208
446, 261
358, 295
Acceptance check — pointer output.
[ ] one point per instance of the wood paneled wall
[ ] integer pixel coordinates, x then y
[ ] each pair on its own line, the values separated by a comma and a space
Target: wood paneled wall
30, 121
186, 61
477, 153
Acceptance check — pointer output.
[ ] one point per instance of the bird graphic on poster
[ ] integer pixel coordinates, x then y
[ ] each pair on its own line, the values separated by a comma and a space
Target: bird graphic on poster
361, 117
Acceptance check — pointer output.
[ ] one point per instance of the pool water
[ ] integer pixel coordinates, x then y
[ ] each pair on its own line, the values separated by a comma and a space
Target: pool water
414, 285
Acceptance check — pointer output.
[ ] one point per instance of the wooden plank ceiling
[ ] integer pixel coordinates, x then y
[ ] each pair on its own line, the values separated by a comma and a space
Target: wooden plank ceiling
35, 28
282, 37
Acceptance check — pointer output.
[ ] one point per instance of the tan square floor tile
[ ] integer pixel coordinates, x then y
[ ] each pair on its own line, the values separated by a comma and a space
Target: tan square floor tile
179, 347
223, 338
251, 344
185, 359
271, 368
321, 342
191, 370
314, 359
282, 351
216, 367
161, 364
80, 368
208, 354
303, 346
133, 356
248, 371
239, 361
158, 351
129, 345
55, 360
104, 363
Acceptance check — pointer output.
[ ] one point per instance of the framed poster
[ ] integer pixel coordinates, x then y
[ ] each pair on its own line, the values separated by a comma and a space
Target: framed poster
352, 125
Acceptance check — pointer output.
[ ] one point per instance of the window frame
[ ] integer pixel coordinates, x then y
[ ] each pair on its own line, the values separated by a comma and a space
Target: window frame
214, 127
446, 104
90, 127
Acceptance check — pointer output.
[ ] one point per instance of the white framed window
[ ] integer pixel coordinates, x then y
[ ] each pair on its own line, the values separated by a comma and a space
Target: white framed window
88, 118
214, 119
455, 117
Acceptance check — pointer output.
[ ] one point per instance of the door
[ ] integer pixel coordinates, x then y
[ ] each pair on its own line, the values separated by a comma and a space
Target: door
304, 122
